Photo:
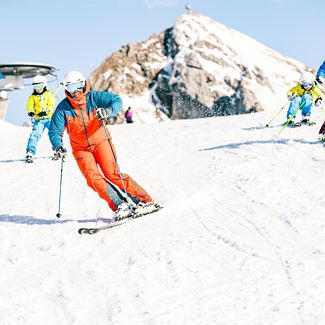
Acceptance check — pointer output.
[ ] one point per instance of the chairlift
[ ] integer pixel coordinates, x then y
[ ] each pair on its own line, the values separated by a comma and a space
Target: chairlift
12, 77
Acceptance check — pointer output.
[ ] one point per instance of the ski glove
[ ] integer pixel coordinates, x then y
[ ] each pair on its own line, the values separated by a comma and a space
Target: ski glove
319, 81
318, 101
31, 114
61, 152
292, 96
42, 114
103, 113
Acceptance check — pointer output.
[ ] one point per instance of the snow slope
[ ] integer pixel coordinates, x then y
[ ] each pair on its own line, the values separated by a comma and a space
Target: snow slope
240, 241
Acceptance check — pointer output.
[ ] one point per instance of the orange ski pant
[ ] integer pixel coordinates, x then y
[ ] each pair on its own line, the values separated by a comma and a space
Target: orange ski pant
101, 155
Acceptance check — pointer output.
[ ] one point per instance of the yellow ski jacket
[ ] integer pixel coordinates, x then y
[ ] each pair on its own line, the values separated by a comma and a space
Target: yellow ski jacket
300, 91
38, 103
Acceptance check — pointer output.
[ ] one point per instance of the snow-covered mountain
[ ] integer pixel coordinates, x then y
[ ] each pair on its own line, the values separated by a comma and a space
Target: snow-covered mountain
240, 241
197, 68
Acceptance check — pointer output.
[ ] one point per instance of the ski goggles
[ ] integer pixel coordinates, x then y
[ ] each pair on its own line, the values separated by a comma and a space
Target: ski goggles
38, 86
307, 84
73, 87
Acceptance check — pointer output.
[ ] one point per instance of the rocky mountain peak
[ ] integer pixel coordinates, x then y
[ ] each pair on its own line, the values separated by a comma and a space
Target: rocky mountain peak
197, 68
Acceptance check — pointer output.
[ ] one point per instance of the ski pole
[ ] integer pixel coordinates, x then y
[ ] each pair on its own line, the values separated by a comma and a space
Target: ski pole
273, 118
291, 117
59, 215
117, 166
58, 89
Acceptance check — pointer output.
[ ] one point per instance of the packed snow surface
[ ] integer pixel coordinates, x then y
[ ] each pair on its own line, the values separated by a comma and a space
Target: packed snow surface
240, 240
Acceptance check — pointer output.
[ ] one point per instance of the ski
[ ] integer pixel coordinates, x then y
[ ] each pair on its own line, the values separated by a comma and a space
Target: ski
311, 123
290, 125
113, 224
300, 123
296, 124
30, 160
95, 230
322, 140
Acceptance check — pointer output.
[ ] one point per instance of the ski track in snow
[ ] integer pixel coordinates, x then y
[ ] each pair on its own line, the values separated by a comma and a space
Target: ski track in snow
239, 242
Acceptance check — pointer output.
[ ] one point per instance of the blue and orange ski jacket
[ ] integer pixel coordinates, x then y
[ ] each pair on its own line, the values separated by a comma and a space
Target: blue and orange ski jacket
78, 116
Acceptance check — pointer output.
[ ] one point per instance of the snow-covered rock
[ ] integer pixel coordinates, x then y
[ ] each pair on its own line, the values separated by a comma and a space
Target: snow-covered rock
198, 68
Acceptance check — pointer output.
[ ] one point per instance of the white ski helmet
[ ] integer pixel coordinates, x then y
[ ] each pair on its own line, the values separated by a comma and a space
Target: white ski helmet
74, 77
307, 78
39, 80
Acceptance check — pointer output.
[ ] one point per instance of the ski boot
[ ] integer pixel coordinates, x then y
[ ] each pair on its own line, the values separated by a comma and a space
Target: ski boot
29, 157
123, 211
143, 208
306, 120
55, 156
294, 123
288, 123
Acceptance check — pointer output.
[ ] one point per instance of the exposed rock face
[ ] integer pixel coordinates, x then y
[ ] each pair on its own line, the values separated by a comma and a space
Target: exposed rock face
198, 68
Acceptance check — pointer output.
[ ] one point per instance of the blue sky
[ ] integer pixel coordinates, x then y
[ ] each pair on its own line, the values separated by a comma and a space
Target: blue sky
80, 35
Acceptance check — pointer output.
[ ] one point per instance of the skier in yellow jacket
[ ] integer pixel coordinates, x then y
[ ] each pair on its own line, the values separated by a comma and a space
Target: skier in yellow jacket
303, 96
40, 108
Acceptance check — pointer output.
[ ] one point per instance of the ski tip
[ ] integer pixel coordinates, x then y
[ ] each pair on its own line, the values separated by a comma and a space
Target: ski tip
81, 231
88, 231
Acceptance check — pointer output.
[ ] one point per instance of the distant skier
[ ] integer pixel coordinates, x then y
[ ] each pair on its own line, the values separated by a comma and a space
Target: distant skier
320, 76
40, 108
303, 96
84, 112
320, 79
129, 115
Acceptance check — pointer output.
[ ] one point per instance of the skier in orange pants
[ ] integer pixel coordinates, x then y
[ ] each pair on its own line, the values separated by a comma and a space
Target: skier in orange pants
84, 113
102, 155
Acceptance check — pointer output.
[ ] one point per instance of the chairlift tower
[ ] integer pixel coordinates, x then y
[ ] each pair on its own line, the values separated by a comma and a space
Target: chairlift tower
12, 77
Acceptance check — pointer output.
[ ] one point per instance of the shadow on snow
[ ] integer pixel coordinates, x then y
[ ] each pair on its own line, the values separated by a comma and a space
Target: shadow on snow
29, 220
261, 127
249, 143
23, 160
